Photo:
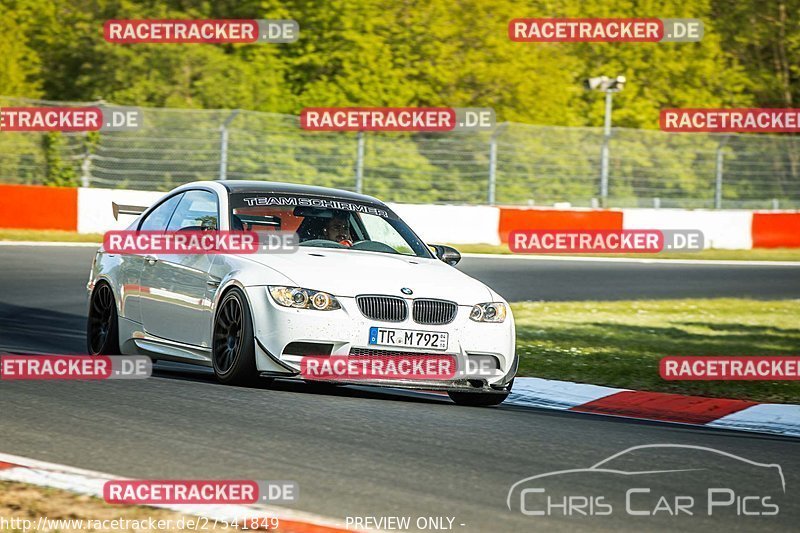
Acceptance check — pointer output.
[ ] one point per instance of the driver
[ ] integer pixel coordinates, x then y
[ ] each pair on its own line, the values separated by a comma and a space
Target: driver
337, 229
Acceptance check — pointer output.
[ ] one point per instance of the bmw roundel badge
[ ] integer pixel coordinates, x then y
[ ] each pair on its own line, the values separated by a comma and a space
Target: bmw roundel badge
406, 290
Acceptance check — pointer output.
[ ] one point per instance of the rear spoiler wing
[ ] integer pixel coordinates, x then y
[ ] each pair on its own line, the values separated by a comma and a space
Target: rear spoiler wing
118, 210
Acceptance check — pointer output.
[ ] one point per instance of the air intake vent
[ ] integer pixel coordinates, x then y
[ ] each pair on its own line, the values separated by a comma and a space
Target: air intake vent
307, 348
434, 311
384, 308
381, 353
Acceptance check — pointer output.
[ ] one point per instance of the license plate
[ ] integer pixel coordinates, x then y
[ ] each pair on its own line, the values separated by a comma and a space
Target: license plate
432, 340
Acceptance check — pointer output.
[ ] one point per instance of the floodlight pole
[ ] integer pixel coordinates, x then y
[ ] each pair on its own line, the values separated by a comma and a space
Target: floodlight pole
492, 187
223, 145
608, 86
604, 150
718, 172
360, 162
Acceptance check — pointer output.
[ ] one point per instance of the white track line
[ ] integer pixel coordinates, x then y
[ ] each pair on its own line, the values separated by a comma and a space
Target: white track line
544, 257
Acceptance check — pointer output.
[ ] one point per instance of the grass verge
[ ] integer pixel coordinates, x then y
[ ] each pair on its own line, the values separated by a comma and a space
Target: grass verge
68, 512
619, 344
761, 254
48, 236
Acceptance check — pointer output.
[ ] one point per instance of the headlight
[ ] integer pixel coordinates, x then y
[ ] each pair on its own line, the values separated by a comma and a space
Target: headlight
490, 312
300, 298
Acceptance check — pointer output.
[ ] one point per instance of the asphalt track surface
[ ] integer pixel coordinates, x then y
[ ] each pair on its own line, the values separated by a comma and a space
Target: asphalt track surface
355, 452
523, 278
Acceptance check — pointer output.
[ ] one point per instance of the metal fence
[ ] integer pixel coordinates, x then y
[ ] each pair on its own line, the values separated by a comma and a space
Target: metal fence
516, 164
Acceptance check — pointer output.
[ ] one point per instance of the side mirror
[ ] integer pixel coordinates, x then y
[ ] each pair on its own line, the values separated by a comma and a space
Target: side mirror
448, 254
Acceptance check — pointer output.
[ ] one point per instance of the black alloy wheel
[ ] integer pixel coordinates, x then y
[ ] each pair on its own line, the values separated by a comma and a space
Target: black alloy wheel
233, 348
102, 328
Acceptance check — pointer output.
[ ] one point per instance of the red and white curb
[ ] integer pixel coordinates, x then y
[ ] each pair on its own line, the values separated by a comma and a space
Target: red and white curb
742, 415
55, 476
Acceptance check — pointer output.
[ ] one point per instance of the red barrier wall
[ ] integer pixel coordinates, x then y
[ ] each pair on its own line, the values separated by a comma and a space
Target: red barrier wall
37, 207
776, 230
514, 218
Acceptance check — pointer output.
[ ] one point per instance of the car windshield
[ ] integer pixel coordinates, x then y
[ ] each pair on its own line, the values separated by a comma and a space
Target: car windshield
327, 222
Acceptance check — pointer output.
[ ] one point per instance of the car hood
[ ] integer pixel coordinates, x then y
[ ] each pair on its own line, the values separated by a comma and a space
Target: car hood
353, 272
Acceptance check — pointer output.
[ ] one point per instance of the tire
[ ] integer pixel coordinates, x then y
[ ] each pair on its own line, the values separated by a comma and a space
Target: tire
102, 324
233, 346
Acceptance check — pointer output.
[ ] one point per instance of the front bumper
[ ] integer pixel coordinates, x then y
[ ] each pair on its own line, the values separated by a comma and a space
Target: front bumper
346, 330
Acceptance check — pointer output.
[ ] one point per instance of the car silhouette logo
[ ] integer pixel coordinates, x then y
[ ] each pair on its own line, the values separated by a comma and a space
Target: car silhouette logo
611, 466
406, 290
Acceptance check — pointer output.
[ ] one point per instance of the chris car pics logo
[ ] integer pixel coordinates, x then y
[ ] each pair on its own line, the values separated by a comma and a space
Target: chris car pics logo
674, 482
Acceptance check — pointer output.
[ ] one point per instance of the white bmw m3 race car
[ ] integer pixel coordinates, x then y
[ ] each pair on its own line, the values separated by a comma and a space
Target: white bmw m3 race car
359, 282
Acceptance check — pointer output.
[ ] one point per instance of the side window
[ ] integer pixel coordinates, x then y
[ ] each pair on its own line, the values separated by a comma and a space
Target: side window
158, 219
196, 212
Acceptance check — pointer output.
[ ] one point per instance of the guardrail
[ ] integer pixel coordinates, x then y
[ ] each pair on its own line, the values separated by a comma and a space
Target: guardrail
516, 164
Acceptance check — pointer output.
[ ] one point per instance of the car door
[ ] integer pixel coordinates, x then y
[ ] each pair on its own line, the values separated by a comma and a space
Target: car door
178, 303
131, 265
